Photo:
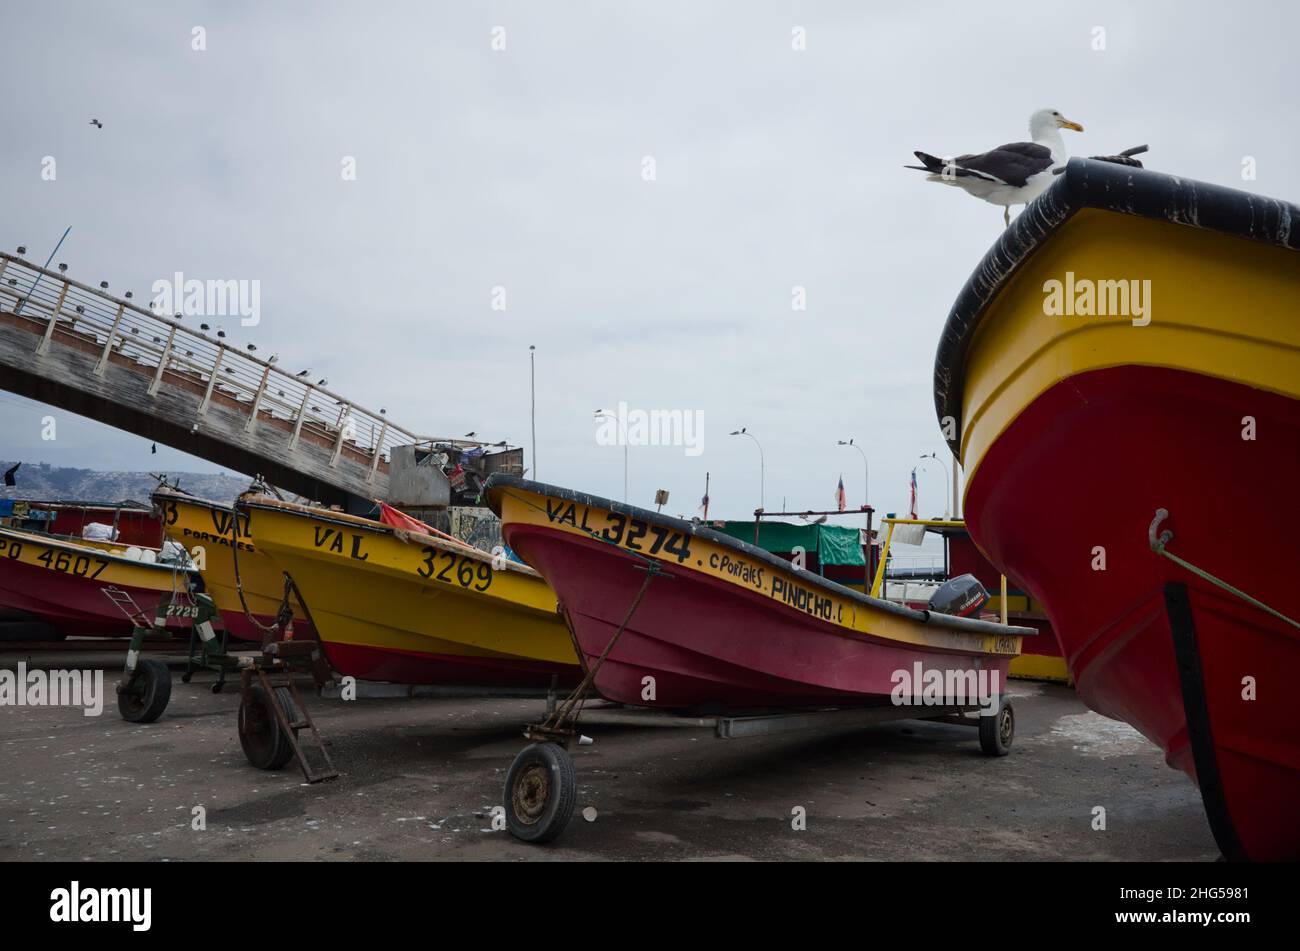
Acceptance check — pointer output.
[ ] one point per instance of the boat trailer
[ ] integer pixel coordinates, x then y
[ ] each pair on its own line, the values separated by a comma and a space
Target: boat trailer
541, 787
272, 714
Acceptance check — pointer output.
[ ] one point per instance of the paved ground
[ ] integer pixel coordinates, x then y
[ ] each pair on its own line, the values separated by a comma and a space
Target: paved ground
420, 777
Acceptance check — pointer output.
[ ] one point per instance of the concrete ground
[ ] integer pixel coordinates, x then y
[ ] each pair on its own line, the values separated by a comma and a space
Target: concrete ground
420, 777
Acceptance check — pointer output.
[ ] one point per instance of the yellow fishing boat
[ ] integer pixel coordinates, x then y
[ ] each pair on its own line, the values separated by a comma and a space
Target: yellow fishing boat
76, 587
216, 537
408, 607
1120, 378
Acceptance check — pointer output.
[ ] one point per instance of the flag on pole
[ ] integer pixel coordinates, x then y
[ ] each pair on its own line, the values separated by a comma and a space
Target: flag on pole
839, 495
911, 511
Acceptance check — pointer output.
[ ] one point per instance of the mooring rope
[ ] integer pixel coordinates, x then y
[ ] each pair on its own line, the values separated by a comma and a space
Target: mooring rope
284, 614
1158, 544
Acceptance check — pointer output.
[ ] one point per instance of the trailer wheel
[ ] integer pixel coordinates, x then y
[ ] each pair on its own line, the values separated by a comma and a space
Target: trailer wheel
264, 742
144, 699
998, 731
541, 788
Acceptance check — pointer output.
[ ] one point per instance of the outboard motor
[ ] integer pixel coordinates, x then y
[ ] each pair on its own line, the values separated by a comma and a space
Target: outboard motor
962, 596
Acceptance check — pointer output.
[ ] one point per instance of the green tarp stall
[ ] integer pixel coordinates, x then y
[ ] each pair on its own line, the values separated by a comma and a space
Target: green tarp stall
833, 545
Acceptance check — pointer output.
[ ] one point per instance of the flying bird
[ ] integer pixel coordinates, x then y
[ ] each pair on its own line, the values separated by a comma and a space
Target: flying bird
1011, 174
469, 435
96, 123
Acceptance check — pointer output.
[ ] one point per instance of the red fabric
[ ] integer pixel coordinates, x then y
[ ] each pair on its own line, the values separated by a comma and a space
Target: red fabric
398, 519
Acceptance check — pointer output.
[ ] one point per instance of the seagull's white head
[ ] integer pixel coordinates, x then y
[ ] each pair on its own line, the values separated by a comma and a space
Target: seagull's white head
1047, 121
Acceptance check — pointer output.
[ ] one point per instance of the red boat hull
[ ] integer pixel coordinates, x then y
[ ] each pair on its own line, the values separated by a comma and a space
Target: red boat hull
1084, 468
239, 626
416, 667
708, 644
73, 605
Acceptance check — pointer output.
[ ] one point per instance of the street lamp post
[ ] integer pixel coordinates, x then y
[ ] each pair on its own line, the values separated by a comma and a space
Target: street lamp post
532, 402
866, 470
867, 556
947, 511
762, 487
601, 414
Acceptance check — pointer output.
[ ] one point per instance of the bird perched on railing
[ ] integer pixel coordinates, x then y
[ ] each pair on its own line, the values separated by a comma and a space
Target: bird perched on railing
1011, 174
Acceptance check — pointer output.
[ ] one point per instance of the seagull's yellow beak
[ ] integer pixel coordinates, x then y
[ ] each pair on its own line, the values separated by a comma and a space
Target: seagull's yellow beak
1065, 123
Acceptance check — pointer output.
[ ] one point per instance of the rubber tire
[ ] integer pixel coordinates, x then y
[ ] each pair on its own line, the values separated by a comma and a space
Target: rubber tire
561, 792
154, 679
998, 731
276, 751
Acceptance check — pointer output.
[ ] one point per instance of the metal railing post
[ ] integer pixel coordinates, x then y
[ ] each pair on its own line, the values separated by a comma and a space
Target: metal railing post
257, 401
43, 347
212, 380
343, 428
108, 344
379, 451
162, 363
297, 423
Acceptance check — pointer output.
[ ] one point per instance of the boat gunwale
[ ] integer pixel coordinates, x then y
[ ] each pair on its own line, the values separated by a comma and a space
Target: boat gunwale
268, 504
57, 541
1102, 186
498, 482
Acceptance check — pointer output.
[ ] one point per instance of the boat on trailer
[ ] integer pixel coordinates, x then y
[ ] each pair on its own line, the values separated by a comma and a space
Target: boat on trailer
403, 606
673, 615
232, 565
1120, 378
729, 625
76, 586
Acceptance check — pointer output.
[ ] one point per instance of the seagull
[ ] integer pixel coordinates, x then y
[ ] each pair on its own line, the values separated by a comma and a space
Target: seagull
96, 123
1012, 174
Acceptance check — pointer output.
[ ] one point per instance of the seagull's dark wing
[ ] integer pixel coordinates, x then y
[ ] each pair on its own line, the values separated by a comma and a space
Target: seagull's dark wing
1013, 164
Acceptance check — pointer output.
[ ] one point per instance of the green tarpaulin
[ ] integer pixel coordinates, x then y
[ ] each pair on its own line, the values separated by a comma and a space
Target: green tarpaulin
833, 544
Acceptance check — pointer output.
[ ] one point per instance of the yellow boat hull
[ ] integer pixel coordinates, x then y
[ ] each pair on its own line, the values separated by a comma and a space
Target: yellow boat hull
211, 533
406, 608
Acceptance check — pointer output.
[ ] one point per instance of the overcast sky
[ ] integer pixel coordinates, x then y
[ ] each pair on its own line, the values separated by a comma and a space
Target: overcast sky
523, 168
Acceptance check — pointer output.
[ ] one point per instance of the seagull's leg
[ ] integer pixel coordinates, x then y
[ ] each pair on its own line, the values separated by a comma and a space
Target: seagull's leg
1006, 215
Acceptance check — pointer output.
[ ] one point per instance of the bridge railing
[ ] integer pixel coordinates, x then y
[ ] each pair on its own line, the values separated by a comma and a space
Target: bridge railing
120, 331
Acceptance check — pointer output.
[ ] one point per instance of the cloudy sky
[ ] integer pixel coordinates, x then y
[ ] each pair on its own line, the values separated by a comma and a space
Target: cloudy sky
523, 168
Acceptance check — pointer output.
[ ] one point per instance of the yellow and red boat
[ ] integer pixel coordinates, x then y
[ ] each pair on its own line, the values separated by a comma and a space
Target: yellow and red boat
1120, 378
222, 538
67, 583
407, 607
732, 625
